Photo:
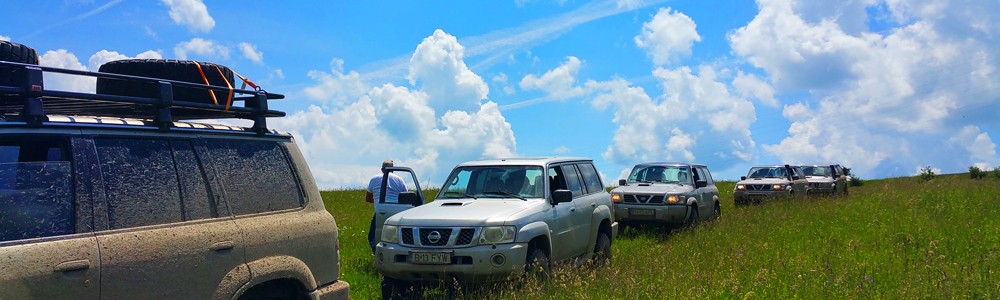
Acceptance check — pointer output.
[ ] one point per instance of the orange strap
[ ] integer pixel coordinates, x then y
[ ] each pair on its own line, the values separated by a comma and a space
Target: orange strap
246, 82
229, 102
203, 77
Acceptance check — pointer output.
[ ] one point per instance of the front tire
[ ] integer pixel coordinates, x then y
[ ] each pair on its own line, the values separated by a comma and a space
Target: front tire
717, 212
537, 264
692, 217
602, 250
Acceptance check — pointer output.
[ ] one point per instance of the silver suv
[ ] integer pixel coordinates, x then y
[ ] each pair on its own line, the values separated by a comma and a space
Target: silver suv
825, 179
671, 193
763, 182
130, 203
498, 218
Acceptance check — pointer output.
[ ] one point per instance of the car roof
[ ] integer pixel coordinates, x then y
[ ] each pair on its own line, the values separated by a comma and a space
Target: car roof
663, 163
521, 161
769, 166
133, 124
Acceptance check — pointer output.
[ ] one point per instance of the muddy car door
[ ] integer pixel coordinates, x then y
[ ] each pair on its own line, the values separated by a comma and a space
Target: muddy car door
47, 247
413, 197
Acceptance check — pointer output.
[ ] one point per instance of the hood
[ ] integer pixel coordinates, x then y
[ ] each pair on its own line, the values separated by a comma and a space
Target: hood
653, 188
464, 212
821, 179
764, 181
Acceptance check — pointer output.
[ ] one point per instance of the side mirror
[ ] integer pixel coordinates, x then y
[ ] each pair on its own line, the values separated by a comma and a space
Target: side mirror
622, 182
833, 171
700, 183
410, 198
743, 178
796, 177
560, 196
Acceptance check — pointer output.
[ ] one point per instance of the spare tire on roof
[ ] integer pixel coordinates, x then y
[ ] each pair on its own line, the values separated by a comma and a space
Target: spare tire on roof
14, 52
178, 70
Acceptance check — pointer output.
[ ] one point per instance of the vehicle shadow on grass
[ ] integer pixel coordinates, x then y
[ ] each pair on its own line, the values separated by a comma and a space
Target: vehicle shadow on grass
661, 232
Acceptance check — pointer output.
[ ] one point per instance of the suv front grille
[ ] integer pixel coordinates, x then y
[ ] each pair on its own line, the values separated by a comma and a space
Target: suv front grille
758, 187
434, 236
465, 236
819, 185
407, 235
643, 199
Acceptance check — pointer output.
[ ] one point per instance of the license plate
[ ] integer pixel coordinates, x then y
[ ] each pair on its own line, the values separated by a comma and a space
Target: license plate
430, 258
641, 212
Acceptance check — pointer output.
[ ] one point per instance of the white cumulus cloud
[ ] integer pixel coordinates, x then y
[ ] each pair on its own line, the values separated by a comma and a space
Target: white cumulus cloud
558, 83
190, 13
251, 53
668, 36
65, 82
879, 102
418, 126
4, 38
201, 47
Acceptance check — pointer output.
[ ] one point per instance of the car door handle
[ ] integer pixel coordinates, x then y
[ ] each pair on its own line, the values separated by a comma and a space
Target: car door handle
73, 265
382, 212
593, 204
220, 246
572, 209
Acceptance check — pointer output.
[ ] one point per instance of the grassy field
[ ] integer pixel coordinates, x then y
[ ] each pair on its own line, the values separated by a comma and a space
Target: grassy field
899, 238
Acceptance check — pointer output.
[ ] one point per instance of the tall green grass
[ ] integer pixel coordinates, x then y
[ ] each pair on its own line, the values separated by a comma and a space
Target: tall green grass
893, 238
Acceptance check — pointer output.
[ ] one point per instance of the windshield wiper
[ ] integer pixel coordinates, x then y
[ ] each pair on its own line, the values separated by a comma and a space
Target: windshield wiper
505, 193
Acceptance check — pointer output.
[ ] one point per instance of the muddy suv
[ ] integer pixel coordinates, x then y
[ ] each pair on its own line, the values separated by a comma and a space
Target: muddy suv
669, 193
104, 196
825, 179
765, 182
496, 219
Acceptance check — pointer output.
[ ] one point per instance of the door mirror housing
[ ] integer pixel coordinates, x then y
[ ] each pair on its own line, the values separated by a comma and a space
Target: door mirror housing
743, 178
410, 198
561, 196
622, 182
700, 183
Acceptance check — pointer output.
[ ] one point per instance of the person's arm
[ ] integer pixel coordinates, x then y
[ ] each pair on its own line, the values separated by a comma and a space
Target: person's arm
369, 197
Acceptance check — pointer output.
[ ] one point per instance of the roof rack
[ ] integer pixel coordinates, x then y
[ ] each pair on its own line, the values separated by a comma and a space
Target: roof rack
30, 102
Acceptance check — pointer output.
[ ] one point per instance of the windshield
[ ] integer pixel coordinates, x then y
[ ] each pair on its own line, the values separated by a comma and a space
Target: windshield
660, 174
767, 172
817, 171
494, 182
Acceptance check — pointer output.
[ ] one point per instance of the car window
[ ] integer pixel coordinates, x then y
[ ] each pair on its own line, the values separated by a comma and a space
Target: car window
661, 174
36, 190
572, 179
591, 178
706, 175
767, 172
195, 194
140, 182
494, 182
256, 175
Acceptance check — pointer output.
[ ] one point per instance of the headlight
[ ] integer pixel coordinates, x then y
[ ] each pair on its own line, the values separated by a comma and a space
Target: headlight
390, 234
673, 199
497, 235
616, 198
740, 187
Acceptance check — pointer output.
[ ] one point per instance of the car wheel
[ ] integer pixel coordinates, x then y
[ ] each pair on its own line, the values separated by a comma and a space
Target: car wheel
537, 264
14, 52
693, 217
717, 212
602, 250
270, 292
178, 70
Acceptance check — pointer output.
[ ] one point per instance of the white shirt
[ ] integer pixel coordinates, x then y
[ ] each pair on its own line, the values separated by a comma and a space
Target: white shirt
395, 185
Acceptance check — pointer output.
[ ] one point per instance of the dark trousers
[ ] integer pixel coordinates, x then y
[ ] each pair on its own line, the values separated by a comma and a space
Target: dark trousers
371, 235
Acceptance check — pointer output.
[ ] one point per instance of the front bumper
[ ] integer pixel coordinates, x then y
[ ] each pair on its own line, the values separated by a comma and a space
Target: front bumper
745, 196
470, 264
821, 191
337, 290
670, 213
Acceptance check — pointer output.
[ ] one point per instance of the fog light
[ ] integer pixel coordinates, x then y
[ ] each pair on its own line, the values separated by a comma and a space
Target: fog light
498, 260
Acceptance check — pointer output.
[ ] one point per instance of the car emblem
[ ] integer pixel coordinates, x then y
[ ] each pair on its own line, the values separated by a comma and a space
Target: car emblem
643, 198
434, 236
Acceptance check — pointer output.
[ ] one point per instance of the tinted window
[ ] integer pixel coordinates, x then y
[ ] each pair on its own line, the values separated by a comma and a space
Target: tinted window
140, 182
256, 175
197, 198
572, 179
591, 178
707, 176
36, 189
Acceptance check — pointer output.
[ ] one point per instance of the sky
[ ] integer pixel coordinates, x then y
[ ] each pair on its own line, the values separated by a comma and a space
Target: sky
884, 87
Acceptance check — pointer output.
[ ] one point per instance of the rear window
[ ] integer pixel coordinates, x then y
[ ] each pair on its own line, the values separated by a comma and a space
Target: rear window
140, 181
36, 189
256, 175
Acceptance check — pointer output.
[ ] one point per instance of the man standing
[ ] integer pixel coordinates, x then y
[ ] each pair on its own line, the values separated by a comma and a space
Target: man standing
394, 185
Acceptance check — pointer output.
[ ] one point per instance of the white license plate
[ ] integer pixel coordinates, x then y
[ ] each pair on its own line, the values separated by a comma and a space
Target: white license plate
430, 258
641, 212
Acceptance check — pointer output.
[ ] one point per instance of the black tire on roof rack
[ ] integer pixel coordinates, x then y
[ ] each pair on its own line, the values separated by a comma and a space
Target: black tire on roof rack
179, 70
14, 52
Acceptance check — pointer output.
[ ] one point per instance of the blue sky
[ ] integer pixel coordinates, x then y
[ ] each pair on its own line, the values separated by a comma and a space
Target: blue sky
882, 86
